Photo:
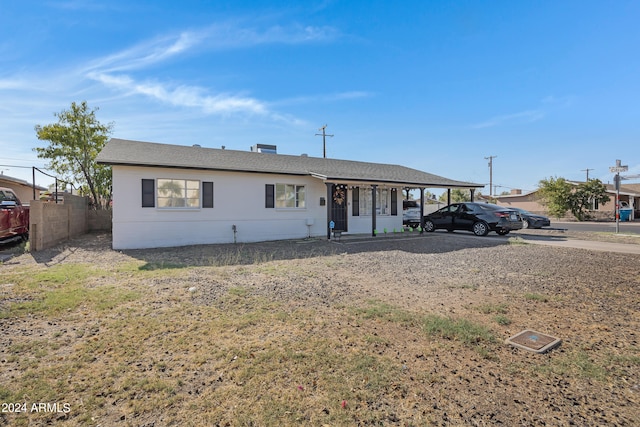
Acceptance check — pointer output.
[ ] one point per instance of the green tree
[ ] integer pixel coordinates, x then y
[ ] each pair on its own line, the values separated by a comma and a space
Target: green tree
560, 196
585, 196
74, 143
554, 194
458, 195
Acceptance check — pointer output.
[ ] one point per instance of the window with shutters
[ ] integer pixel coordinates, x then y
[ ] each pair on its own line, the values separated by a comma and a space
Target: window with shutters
177, 193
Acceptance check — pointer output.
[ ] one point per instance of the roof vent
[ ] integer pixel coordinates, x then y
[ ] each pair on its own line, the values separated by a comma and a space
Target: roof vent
264, 148
304, 155
197, 145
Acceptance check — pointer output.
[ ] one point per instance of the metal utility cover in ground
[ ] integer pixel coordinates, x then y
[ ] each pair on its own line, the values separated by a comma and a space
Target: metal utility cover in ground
534, 341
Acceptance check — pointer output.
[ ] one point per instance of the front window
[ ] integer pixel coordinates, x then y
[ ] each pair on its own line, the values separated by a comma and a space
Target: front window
383, 203
178, 193
290, 196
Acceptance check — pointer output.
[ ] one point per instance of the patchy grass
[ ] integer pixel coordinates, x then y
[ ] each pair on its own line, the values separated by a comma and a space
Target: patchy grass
536, 297
62, 289
130, 346
493, 308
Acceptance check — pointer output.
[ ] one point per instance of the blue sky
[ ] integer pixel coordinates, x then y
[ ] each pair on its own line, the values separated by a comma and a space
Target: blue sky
550, 88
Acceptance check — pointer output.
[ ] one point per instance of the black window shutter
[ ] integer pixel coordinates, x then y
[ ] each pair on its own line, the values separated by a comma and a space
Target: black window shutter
207, 194
148, 193
394, 202
269, 196
355, 199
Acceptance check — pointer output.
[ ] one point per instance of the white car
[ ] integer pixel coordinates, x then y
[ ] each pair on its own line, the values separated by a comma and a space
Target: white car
411, 213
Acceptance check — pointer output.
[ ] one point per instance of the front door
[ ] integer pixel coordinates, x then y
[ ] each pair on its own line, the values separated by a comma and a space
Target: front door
339, 207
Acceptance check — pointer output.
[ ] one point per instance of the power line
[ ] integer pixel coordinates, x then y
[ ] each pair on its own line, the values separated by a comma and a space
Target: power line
490, 158
586, 170
324, 142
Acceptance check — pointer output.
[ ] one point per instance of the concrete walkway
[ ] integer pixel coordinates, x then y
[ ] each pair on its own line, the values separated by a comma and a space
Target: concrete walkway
625, 248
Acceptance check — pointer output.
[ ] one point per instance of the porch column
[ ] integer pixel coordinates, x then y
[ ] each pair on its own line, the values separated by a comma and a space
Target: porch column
448, 196
421, 210
329, 203
374, 189
473, 190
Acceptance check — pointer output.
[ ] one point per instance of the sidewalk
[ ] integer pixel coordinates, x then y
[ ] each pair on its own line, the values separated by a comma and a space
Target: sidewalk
625, 248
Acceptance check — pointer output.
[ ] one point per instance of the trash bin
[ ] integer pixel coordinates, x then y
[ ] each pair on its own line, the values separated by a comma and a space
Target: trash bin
625, 214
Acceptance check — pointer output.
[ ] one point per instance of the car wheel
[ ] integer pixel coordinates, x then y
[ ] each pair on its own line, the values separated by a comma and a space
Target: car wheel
429, 226
502, 232
525, 223
480, 228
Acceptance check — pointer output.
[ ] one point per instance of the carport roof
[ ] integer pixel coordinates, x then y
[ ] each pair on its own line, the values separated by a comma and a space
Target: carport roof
138, 153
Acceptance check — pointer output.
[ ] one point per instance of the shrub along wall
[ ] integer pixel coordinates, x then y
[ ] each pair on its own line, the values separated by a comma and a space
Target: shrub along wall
51, 223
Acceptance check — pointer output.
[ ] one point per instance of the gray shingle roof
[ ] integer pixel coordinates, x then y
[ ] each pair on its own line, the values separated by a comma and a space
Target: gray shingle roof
137, 153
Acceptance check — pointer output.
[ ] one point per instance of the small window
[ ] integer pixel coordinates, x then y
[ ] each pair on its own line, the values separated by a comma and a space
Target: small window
290, 196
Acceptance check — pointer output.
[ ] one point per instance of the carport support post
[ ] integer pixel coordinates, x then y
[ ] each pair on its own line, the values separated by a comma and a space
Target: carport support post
329, 202
421, 210
374, 189
448, 196
473, 191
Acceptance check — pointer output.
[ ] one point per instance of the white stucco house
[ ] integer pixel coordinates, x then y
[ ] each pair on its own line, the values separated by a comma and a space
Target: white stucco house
172, 195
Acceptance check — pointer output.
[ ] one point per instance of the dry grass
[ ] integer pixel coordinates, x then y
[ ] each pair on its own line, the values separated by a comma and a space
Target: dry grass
135, 344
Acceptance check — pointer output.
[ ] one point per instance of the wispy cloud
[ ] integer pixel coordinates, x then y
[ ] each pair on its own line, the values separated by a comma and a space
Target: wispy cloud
214, 37
528, 116
144, 54
115, 70
183, 96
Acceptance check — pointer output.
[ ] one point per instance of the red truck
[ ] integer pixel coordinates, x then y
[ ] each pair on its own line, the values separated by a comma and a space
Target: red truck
14, 216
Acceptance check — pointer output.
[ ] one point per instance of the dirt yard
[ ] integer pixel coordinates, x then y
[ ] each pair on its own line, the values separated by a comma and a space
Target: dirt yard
385, 331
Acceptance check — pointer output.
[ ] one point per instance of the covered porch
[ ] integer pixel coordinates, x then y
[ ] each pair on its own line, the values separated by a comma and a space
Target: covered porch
375, 205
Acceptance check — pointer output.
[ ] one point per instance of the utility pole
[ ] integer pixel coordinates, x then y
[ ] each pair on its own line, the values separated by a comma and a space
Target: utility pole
324, 142
616, 179
490, 158
586, 170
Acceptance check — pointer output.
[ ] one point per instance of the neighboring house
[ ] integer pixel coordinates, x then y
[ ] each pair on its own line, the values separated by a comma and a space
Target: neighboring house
22, 188
517, 199
171, 195
629, 193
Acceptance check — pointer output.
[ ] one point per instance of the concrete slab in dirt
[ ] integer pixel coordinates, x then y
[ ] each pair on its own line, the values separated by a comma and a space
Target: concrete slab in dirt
534, 341
624, 248
5, 257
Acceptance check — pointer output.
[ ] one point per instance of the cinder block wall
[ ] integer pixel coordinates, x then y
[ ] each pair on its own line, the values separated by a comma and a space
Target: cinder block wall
52, 223
49, 224
100, 220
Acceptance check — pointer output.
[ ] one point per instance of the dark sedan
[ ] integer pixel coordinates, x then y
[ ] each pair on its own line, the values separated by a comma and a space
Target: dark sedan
531, 220
480, 218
